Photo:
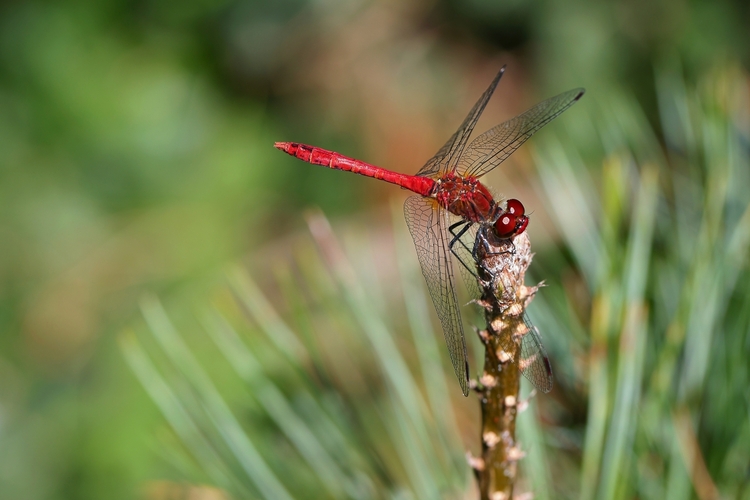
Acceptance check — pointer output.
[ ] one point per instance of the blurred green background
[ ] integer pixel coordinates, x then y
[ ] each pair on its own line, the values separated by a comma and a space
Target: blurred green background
136, 158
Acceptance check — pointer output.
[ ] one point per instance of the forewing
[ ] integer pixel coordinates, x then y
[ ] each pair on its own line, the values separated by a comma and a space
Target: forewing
433, 167
492, 147
427, 225
446, 158
533, 363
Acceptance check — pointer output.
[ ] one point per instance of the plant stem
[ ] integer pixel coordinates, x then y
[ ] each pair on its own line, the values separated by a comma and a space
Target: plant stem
502, 266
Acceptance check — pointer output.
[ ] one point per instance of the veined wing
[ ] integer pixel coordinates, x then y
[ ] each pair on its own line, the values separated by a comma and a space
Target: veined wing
492, 147
446, 158
534, 363
427, 225
463, 250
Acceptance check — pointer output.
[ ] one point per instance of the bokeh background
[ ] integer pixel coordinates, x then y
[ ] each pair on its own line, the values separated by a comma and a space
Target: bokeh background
139, 190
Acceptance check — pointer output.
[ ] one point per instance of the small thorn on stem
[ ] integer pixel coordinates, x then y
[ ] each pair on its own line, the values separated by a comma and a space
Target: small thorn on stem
488, 381
487, 306
475, 463
514, 310
515, 454
522, 406
503, 356
484, 336
526, 362
490, 439
498, 324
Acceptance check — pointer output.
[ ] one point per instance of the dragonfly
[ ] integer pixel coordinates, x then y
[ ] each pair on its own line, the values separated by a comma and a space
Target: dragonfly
451, 203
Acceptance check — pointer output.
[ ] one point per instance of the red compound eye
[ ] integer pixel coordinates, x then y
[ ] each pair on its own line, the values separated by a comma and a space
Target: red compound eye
505, 225
521, 224
515, 207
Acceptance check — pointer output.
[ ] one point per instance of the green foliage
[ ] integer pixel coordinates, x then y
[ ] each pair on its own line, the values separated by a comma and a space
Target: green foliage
659, 253
326, 415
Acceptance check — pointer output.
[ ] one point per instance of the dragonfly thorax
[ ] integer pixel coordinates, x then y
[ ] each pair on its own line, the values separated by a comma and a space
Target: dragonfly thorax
467, 198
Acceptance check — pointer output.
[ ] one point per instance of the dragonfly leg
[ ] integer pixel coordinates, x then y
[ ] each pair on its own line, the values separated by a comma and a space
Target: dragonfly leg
457, 234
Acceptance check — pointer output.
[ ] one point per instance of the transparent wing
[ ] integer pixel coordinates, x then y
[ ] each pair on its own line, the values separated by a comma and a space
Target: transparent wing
462, 250
446, 159
534, 363
492, 147
427, 225
433, 167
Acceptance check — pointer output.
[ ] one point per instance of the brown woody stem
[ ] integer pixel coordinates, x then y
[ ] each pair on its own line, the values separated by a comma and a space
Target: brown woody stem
502, 266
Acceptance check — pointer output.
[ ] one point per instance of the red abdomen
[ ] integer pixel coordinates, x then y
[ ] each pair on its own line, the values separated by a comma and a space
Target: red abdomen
336, 161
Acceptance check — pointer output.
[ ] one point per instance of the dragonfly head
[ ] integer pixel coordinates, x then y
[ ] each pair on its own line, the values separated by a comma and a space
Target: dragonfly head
512, 220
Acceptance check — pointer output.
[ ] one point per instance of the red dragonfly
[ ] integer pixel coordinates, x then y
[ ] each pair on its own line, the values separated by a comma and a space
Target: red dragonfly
449, 190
